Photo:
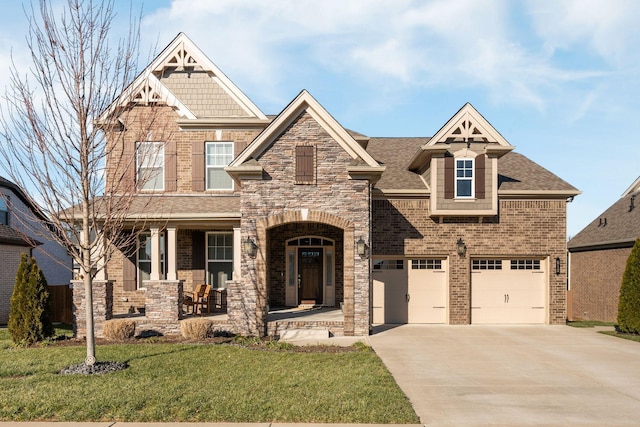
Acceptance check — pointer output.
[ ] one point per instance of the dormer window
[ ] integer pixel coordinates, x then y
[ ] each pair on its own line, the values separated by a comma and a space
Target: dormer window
464, 178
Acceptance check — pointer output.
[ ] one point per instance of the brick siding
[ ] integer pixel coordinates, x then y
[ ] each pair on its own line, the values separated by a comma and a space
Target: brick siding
596, 277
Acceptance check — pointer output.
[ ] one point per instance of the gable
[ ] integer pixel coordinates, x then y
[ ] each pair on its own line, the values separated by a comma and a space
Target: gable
364, 165
182, 77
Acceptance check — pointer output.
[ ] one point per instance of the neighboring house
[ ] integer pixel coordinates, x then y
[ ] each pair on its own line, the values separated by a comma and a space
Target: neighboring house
598, 257
296, 211
23, 229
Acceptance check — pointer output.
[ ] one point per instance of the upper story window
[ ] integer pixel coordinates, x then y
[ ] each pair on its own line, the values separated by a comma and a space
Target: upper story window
464, 177
218, 155
150, 162
4, 212
305, 164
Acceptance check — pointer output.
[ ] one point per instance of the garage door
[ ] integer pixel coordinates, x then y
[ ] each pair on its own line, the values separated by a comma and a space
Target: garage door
427, 293
409, 291
389, 291
508, 291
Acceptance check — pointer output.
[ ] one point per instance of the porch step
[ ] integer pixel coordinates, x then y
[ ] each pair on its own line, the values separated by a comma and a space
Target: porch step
304, 334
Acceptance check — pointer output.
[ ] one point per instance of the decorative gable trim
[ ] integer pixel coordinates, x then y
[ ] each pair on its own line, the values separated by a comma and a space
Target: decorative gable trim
468, 125
304, 102
180, 54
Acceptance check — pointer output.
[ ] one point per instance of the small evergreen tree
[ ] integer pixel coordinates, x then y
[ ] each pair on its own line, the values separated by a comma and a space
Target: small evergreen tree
30, 309
629, 303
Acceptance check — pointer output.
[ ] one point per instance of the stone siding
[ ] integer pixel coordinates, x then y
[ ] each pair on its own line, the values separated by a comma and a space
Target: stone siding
596, 277
333, 199
102, 307
524, 228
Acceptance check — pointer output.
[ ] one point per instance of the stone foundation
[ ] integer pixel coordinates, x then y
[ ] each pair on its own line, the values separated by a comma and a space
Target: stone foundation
102, 307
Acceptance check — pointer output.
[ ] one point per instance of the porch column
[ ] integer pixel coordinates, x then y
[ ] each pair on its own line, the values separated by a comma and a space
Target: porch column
155, 254
172, 254
237, 253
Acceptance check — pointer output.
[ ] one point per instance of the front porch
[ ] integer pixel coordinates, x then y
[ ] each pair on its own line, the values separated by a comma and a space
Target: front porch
280, 319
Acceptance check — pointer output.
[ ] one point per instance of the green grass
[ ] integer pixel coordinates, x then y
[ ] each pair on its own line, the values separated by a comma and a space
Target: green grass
630, 337
589, 323
198, 383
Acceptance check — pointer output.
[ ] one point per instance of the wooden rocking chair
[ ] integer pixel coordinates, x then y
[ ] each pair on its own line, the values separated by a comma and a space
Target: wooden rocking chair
192, 299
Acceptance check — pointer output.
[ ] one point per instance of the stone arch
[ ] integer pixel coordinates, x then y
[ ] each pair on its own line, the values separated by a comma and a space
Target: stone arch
304, 215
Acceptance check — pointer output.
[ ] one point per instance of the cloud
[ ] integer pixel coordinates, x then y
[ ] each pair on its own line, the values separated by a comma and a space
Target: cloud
391, 45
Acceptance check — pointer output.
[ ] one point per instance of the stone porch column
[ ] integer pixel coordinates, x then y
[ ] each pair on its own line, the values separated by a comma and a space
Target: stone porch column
102, 306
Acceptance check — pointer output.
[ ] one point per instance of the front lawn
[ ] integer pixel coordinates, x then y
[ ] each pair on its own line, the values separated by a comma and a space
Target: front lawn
200, 382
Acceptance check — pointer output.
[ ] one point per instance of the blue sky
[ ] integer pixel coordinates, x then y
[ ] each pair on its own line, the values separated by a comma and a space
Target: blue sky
559, 79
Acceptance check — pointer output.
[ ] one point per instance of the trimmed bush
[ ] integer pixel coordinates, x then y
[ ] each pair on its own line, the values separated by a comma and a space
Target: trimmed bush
30, 309
629, 303
119, 329
198, 329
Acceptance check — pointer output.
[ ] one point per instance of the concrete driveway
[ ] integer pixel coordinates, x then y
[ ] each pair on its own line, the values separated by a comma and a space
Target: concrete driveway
514, 375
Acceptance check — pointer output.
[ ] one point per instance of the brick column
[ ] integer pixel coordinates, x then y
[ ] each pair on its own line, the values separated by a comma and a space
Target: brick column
102, 306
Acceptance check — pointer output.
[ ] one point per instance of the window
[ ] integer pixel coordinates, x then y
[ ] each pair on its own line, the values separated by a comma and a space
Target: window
464, 178
388, 264
219, 259
219, 155
305, 164
144, 258
150, 161
525, 264
4, 213
426, 264
487, 264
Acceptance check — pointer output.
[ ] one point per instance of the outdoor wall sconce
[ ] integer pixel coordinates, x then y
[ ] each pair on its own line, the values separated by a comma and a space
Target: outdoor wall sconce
557, 265
461, 248
361, 246
250, 247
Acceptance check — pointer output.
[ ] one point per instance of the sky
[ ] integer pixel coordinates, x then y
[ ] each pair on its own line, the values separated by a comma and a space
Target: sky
559, 79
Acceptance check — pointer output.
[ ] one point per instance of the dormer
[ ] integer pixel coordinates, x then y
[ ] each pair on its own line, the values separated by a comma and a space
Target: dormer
460, 162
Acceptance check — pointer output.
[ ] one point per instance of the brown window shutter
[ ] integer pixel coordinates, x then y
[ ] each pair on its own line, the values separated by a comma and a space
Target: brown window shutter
480, 176
197, 165
128, 165
170, 166
198, 248
129, 269
304, 163
449, 177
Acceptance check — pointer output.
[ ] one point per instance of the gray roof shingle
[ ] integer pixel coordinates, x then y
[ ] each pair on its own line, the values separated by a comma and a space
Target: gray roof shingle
618, 226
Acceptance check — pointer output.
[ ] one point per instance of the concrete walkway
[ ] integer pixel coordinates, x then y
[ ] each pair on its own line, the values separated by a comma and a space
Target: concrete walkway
514, 375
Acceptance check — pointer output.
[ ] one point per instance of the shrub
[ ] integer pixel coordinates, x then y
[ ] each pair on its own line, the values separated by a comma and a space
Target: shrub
197, 329
119, 329
30, 307
629, 303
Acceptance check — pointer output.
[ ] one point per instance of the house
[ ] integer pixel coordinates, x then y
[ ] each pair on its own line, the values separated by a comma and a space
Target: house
598, 257
296, 211
23, 230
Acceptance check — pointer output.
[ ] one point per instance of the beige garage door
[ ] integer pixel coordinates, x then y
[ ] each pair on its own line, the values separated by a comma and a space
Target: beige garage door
427, 291
508, 291
409, 291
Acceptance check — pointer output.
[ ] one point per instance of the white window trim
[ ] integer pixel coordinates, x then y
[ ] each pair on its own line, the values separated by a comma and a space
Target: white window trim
159, 157
163, 264
206, 255
472, 179
207, 167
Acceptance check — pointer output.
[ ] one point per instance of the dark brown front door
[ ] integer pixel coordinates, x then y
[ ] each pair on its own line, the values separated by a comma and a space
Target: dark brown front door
310, 270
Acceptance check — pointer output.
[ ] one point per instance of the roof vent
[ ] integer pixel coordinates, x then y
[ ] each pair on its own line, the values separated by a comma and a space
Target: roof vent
632, 203
603, 222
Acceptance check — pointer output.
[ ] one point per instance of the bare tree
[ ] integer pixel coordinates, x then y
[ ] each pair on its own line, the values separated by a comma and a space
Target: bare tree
62, 132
